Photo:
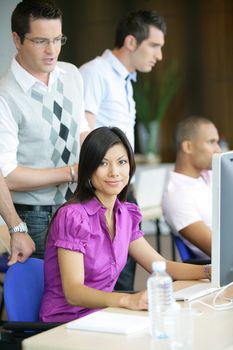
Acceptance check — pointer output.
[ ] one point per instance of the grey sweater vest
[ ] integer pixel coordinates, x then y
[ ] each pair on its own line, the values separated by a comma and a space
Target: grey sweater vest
48, 129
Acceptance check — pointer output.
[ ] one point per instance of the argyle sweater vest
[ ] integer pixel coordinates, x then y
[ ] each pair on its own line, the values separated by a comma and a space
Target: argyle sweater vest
48, 129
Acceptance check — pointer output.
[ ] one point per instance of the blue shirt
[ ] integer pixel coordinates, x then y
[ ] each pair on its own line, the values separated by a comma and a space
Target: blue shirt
108, 93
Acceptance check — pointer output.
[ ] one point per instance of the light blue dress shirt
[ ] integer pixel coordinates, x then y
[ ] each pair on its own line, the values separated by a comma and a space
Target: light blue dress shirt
108, 93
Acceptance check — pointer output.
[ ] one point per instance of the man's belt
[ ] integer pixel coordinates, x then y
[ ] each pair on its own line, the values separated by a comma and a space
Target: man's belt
29, 207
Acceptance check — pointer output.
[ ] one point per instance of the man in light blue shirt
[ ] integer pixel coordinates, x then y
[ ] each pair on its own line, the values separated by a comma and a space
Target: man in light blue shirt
108, 92
107, 102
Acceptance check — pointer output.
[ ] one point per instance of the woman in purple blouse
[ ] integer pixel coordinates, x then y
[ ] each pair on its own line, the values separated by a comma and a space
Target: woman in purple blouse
90, 236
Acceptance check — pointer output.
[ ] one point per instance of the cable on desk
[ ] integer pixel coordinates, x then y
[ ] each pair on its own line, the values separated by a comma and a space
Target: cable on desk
219, 307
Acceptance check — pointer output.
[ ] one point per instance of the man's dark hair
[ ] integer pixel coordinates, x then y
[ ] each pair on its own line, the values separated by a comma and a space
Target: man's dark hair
138, 24
187, 129
32, 9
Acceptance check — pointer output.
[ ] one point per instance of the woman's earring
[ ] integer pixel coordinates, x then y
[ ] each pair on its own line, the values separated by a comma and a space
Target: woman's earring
90, 184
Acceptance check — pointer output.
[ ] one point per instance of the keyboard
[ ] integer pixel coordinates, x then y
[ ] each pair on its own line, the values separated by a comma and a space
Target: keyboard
195, 291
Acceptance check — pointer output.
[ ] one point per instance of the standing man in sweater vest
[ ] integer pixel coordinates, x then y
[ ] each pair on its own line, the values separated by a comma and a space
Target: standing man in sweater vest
41, 118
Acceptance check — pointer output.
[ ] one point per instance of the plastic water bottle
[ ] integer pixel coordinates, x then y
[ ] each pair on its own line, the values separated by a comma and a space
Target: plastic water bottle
162, 307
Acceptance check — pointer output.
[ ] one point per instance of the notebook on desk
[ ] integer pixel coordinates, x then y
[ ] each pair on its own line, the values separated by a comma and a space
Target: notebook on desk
110, 322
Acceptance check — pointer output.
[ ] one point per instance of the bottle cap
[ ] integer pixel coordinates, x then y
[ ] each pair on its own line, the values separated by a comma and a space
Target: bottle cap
158, 266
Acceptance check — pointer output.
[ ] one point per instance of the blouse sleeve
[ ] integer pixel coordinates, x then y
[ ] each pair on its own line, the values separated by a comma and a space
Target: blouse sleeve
70, 229
136, 218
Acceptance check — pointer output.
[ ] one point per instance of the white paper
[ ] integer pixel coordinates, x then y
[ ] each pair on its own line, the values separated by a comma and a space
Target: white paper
103, 321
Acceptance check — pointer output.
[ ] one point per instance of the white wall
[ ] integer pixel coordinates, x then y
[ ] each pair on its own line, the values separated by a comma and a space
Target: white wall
7, 49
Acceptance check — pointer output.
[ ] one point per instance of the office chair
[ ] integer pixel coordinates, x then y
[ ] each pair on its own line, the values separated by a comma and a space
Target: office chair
23, 290
186, 254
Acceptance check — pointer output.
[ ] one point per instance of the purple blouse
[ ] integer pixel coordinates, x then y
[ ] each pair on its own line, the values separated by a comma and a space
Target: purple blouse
82, 228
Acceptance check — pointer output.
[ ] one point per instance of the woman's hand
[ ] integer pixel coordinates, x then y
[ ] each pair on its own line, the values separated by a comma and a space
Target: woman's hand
137, 301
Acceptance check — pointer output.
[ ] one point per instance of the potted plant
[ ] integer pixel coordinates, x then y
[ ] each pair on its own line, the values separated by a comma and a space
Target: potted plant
152, 103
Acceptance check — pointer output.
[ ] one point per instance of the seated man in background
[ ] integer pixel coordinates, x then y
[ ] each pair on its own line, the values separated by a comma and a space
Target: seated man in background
187, 199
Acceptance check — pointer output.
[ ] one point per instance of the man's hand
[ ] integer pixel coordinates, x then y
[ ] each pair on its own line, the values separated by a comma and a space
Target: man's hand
22, 246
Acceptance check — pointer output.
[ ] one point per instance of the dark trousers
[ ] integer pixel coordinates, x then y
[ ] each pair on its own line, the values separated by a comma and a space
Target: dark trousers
126, 278
37, 219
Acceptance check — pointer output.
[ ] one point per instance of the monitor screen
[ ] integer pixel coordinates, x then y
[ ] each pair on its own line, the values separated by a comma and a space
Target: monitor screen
222, 228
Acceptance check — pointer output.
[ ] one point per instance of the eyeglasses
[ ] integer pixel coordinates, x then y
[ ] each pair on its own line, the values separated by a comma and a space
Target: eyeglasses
44, 42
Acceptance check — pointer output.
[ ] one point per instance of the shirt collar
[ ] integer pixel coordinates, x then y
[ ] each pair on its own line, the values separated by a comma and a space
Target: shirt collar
205, 175
27, 80
94, 205
132, 76
118, 67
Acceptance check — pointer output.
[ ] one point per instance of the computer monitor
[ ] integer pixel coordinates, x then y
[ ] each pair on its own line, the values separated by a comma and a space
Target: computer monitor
222, 228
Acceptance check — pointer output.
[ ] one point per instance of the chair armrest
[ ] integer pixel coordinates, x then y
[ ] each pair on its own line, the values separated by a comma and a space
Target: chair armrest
29, 326
13, 333
198, 261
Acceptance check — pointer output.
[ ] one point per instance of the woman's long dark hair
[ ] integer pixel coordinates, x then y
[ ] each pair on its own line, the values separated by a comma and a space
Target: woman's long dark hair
93, 150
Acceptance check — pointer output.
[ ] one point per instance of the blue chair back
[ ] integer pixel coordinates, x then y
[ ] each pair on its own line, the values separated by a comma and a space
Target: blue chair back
23, 289
183, 249
187, 255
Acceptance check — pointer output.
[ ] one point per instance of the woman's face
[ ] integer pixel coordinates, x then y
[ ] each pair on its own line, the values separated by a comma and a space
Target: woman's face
112, 175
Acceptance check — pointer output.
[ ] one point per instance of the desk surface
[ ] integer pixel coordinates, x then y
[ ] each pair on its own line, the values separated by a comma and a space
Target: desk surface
212, 330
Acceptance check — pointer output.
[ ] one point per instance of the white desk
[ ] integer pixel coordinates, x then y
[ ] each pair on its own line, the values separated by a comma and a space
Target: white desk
213, 330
